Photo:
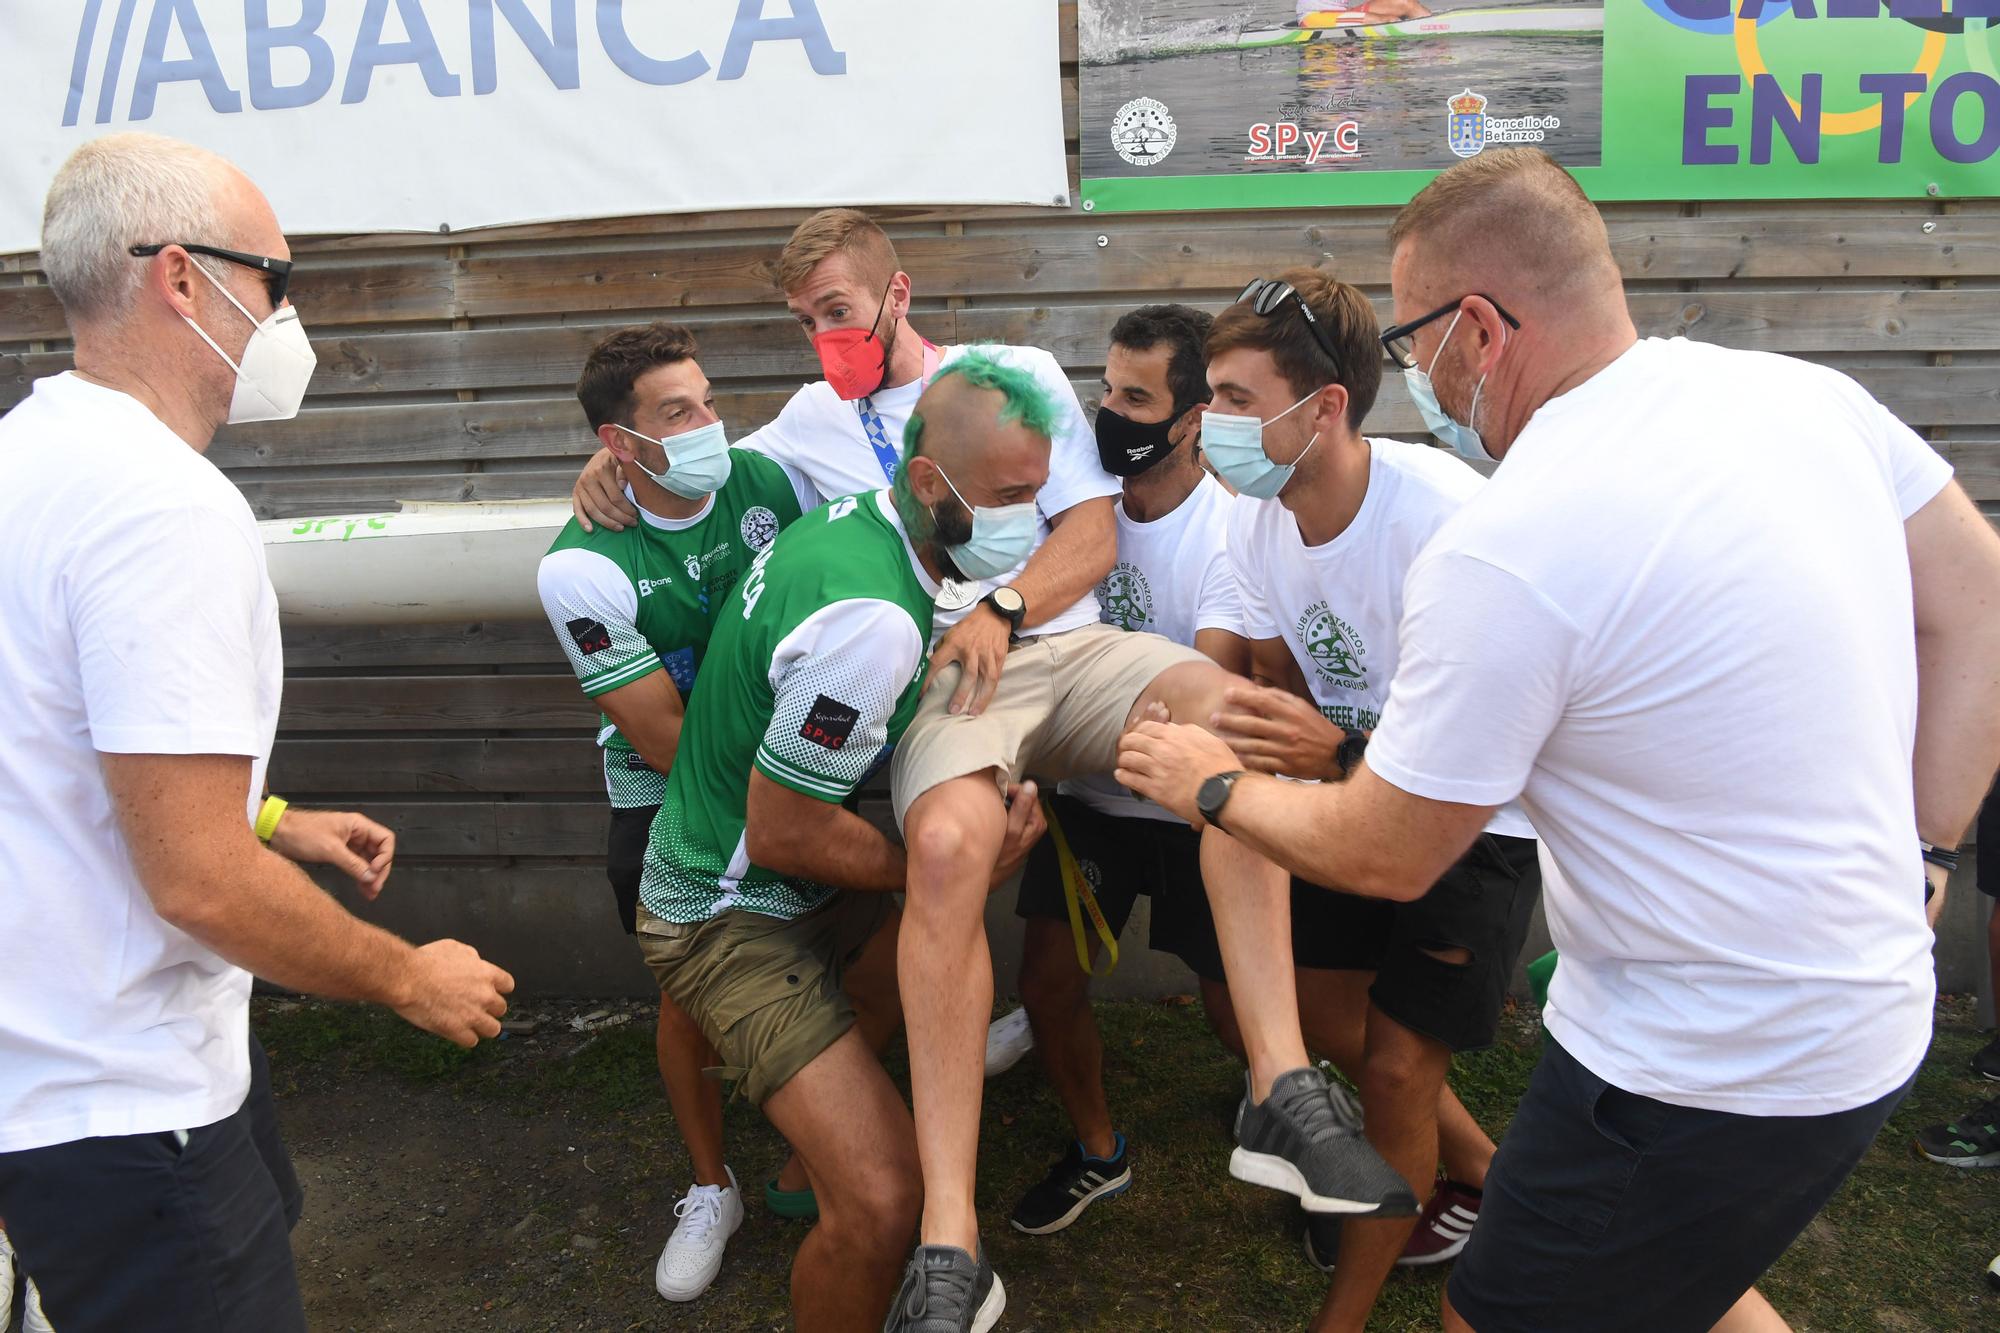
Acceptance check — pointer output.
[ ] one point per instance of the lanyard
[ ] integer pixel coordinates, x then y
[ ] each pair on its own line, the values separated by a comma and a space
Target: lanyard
871, 420
1076, 892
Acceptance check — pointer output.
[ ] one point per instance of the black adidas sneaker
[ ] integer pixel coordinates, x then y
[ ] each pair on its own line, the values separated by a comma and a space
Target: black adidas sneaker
1072, 1185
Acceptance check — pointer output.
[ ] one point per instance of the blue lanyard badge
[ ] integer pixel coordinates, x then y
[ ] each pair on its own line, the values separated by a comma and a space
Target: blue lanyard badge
878, 438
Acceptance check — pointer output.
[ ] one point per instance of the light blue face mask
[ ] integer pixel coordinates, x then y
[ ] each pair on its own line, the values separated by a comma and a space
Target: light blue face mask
1464, 440
1235, 447
697, 460
1002, 537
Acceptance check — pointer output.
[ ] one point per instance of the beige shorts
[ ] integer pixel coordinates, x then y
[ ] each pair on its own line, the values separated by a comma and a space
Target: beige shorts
766, 992
1058, 712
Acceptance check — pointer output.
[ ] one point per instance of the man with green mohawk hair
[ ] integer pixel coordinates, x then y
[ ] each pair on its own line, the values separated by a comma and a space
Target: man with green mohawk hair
765, 908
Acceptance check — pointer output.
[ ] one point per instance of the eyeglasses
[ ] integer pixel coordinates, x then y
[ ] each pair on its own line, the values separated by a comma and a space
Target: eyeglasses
277, 272
1400, 341
1265, 295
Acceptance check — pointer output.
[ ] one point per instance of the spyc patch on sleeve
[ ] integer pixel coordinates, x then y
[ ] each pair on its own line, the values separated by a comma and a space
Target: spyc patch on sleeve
829, 723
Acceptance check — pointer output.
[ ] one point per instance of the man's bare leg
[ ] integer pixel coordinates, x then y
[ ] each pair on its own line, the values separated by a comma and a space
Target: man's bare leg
1752, 1314
1402, 1074
848, 1124
953, 834
1056, 994
696, 1099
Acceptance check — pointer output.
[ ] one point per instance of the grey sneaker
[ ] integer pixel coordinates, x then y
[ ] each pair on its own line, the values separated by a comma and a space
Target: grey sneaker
1305, 1139
946, 1291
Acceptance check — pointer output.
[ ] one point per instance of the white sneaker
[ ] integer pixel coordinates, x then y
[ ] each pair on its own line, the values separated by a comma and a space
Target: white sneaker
1008, 1038
32, 1319
709, 1216
6, 1283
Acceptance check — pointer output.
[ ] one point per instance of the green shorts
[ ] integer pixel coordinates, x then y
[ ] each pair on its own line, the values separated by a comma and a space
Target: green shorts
766, 991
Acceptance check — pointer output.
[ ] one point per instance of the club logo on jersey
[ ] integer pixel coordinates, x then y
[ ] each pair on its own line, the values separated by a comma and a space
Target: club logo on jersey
1125, 599
829, 723
647, 587
1143, 131
589, 635
758, 527
1334, 648
694, 567
680, 668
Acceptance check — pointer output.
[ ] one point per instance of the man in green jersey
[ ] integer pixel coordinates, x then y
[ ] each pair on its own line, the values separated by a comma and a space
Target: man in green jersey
633, 611
765, 910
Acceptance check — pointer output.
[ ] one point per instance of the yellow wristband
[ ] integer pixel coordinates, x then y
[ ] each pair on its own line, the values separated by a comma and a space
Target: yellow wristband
268, 817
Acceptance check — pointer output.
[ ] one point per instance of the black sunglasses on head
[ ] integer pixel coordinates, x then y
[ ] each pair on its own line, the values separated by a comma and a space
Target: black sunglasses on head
277, 272
1265, 295
1399, 341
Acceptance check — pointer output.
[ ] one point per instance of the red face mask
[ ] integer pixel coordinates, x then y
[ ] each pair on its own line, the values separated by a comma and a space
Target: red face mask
855, 361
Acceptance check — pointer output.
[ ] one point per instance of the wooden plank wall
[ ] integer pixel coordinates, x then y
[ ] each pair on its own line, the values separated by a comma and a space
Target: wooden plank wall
446, 361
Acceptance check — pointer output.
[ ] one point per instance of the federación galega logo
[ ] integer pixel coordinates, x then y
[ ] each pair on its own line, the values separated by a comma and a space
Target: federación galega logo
1125, 599
1465, 124
1334, 648
1143, 131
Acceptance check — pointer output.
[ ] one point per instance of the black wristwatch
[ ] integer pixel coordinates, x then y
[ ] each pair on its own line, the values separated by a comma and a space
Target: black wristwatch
1214, 794
1010, 605
1347, 756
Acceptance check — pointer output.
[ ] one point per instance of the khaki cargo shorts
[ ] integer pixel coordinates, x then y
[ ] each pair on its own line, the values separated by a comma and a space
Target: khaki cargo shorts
1059, 710
766, 992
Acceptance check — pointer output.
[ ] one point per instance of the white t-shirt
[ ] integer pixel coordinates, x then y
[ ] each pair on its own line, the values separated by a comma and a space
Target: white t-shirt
1677, 623
136, 617
1337, 605
1173, 579
824, 438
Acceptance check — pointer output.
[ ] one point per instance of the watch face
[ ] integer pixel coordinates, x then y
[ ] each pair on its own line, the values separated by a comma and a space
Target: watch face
1212, 794
1009, 601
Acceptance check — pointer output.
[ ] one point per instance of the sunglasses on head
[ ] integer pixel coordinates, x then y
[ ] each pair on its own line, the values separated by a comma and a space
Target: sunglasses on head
277, 272
1266, 295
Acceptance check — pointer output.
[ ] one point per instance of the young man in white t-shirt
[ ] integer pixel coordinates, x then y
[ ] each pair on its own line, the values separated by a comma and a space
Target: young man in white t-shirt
143, 875
1320, 544
1707, 624
1077, 893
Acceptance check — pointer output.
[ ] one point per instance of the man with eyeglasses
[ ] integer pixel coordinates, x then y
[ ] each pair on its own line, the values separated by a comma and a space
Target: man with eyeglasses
1326, 529
144, 876
1708, 624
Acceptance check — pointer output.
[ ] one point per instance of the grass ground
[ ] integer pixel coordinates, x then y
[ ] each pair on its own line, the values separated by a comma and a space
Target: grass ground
529, 1185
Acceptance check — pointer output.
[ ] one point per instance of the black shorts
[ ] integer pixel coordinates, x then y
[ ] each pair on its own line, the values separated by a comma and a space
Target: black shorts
1988, 838
142, 1231
625, 860
1608, 1210
1122, 857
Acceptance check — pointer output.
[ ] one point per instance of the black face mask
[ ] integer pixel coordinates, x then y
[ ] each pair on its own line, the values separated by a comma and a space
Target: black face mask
1126, 447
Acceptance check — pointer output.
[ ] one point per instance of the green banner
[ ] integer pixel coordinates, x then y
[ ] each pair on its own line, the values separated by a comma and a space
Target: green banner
1204, 104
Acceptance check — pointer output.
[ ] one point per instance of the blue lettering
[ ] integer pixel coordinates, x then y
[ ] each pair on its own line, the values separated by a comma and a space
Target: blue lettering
1853, 9
629, 58
201, 65
805, 25
1699, 115
1769, 108
1894, 90
1754, 9
554, 50
79, 65
421, 50
114, 59
1944, 107
261, 39
1916, 9
1700, 10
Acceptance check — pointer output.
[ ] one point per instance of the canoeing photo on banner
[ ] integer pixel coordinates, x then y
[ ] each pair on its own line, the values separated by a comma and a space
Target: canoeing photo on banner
1282, 104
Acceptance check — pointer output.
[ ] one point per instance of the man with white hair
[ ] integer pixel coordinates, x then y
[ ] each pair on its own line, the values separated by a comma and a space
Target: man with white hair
144, 873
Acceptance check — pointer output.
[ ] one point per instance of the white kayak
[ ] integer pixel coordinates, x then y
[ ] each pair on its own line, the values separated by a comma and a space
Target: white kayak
1506, 21
427, 563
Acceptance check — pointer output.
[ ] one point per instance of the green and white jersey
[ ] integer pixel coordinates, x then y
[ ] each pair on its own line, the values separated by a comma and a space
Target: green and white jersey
626, 604
813, 674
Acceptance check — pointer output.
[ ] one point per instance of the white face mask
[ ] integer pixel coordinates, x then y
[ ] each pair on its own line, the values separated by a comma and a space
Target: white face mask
277, 364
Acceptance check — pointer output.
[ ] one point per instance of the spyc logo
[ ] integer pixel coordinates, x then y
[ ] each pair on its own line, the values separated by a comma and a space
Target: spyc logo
1465, 125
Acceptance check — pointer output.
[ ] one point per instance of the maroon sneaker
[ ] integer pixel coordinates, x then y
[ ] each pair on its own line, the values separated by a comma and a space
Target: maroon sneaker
1445, 1226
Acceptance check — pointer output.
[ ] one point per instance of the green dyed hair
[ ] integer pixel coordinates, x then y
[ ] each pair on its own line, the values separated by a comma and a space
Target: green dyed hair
1024, 399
